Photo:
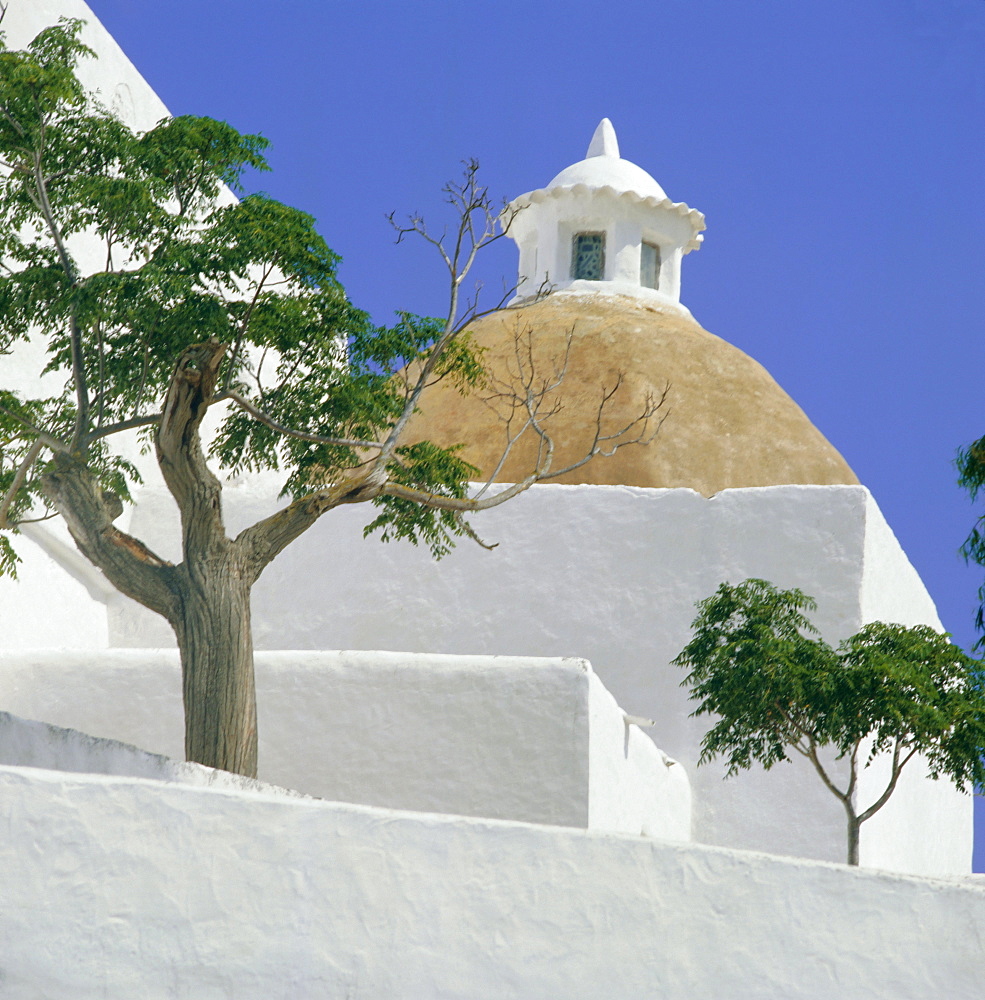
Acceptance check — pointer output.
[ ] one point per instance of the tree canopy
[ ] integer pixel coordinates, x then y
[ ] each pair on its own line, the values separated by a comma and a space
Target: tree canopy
758, 664
158, 297
182, 265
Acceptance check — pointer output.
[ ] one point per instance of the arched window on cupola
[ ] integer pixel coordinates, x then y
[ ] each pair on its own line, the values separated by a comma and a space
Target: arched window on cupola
588, 257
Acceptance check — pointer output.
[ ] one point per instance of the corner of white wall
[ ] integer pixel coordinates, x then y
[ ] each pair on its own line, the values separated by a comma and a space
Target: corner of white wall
891, 590
927, 826
634, 787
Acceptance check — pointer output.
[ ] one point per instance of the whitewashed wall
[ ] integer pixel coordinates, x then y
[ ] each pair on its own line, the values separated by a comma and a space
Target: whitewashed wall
608, 573
117, 887
538, 740
26, 743
612, 574
55, 600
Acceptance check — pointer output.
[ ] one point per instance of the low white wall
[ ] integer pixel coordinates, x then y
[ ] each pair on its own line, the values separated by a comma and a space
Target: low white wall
537, 740
117, 887
26, 743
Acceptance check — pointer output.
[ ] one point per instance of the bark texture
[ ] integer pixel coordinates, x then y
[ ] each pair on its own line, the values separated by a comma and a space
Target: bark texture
853, 835
216, 645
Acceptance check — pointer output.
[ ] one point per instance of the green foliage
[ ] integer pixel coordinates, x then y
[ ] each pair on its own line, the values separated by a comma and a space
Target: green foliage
182, 263
430, 469
757, 663
971, 477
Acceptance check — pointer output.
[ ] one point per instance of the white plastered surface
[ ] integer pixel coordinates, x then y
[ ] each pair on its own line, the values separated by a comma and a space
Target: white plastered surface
119, 887
538, 740
610, 573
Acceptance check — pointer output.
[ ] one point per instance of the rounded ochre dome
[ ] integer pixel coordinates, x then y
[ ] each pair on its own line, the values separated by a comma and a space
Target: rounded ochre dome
726, 421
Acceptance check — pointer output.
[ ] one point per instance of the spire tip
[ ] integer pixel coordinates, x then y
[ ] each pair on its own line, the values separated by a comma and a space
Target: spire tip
604, 141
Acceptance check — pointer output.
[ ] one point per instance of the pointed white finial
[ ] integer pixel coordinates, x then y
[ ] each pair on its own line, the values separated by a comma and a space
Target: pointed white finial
604, 141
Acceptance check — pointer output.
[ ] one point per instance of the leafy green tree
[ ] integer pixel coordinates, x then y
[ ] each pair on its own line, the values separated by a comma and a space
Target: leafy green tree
757, 663
159, 297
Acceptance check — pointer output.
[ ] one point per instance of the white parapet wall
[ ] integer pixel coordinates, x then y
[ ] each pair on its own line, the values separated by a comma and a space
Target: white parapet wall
121, 887
611, 573
538, 740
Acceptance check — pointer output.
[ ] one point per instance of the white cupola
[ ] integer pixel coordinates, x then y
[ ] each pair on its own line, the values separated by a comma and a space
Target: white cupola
603, 225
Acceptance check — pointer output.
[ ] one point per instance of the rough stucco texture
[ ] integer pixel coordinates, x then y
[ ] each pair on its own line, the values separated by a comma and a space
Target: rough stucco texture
125, 888
536, 740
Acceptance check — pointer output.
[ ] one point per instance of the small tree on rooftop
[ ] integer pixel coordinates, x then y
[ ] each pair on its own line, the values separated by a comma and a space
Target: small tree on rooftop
198, 302
757, 663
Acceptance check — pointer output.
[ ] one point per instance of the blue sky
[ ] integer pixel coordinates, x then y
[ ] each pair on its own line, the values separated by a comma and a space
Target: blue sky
837, 149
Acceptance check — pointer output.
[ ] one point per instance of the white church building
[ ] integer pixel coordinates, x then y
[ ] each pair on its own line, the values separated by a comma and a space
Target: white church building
479, 777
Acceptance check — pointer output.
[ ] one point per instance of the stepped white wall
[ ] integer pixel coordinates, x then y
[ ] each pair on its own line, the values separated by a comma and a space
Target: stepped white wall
538, 740
612, 574
26, 743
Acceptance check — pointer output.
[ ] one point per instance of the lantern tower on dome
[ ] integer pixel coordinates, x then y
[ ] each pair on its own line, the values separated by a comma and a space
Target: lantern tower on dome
603, 225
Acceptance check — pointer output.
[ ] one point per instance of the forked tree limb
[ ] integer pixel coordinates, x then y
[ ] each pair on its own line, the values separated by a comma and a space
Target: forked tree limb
193, 485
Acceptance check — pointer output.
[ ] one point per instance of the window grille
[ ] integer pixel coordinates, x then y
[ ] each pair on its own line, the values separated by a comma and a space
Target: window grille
588, 256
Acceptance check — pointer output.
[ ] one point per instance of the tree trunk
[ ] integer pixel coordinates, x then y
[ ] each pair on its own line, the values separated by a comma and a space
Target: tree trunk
853, 834
216, 645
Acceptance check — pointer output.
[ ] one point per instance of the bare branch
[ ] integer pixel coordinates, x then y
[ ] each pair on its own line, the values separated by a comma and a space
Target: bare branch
470, 200
289, 432
123, 425
524, 390
437, 501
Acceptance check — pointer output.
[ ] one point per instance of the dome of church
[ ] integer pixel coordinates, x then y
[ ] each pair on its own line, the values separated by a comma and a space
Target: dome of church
726, 423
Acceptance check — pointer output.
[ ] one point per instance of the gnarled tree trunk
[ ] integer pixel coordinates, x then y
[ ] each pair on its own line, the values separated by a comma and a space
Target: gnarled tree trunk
216, 646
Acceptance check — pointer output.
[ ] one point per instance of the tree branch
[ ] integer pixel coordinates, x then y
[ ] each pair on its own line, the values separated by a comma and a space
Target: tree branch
19, 477
898, 766
123, 425
46, 439
263, 541
128, 564
469, 199
812, 756
71, 276
258, 414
